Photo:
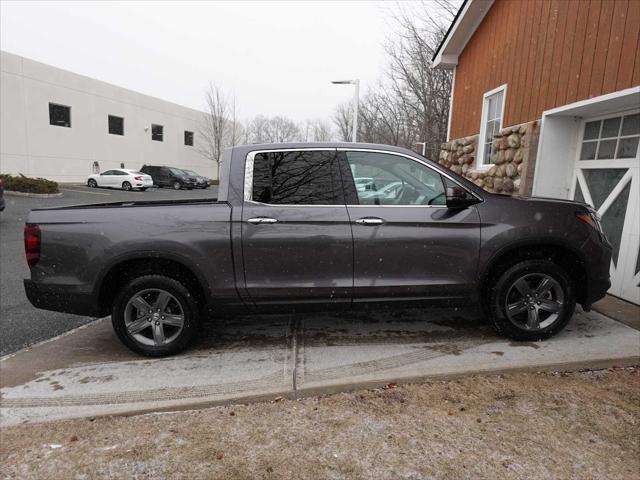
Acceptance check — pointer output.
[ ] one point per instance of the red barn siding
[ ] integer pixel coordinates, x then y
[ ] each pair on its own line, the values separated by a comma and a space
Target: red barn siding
549, 53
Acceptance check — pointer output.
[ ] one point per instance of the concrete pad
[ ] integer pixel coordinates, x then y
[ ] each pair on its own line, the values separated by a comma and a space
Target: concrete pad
620, 310
89, 373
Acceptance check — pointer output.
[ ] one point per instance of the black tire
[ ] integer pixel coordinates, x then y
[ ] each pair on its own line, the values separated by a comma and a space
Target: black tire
181, 294
126, 186
561, 296
92, 183
177, 185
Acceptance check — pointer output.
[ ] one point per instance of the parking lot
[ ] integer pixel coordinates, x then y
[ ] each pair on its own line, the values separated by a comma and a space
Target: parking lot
22, 324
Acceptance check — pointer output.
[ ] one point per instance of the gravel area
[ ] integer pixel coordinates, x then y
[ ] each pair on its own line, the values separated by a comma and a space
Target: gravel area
571, 425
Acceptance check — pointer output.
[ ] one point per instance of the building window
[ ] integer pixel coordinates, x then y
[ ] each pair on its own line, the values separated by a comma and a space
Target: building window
59, 115
116, 125
157, 133
611, 138
188, 138
492, 112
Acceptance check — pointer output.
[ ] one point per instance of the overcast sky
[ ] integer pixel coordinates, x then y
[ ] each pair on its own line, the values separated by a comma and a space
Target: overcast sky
278, 58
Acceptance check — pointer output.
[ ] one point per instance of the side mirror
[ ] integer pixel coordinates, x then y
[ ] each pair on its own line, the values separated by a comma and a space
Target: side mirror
458, 197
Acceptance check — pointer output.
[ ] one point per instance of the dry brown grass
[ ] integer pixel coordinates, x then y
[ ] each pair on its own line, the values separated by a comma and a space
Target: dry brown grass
579, 425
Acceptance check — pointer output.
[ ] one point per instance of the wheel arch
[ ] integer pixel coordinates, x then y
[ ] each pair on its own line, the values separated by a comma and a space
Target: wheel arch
127, 268
570, 259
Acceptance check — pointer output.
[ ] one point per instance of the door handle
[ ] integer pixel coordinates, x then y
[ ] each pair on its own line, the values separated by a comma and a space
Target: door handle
370, 221
258, 220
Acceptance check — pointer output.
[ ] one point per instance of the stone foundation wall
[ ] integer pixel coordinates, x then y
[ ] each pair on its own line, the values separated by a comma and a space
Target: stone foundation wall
513, 161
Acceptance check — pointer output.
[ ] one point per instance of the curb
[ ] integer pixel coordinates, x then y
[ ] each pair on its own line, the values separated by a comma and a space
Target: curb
348, 387
33, 195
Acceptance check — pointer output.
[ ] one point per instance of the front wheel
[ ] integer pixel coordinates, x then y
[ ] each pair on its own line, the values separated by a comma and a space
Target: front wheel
92, 183
177, 185
126, 186
532, 300
155, 316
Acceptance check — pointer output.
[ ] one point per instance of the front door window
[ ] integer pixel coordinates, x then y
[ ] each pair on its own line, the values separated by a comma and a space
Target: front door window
383, 179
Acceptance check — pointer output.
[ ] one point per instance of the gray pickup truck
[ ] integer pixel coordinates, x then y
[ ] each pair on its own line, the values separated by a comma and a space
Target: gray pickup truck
294, 228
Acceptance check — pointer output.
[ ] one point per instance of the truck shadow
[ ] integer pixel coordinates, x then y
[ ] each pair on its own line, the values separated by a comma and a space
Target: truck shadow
400, 327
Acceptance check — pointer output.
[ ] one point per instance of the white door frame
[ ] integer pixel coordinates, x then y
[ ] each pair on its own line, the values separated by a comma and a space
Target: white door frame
624, 280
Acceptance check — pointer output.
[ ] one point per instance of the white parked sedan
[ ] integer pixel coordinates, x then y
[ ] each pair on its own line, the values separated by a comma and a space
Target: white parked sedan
121, 178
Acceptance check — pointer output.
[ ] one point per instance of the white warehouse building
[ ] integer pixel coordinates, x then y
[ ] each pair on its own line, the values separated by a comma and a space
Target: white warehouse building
63, 126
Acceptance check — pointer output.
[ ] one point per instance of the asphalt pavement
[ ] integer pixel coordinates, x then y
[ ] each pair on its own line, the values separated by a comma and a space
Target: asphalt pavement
20, 323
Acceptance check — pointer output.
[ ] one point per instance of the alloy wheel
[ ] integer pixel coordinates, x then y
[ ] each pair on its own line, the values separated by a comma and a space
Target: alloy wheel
154, 317
534, 301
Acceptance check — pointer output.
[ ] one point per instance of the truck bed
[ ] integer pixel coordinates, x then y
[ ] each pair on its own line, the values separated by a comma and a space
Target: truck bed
137, 203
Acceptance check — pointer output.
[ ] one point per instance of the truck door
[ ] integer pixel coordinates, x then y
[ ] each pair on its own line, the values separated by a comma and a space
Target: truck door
408, 246
297, 244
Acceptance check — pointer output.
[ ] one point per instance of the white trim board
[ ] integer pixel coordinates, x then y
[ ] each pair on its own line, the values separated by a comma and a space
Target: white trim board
466, 23
483, 125
559, 131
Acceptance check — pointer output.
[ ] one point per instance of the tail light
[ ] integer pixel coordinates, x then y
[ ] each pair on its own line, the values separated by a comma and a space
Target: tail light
138, 178
1, 183
32, 242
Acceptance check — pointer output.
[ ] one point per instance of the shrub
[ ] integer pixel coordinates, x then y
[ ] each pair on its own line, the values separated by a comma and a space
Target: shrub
21, 183
214, 182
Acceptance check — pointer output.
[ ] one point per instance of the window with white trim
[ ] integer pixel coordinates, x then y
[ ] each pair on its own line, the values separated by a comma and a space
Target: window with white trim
492, 111
611, 138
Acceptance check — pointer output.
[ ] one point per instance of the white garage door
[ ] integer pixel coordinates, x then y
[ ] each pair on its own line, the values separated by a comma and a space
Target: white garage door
607, 177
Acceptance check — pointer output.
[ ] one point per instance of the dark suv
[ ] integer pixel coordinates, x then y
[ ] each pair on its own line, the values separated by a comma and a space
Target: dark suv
170, 177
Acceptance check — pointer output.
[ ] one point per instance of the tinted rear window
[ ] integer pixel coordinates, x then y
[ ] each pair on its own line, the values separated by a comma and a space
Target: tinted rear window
295, 178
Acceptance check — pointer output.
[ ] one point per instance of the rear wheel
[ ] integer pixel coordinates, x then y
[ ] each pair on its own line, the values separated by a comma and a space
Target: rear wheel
92, 183
177, 185
126, 186
532, 300
155, 316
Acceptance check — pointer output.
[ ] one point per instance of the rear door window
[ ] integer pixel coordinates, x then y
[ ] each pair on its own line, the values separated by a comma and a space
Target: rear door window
296, 178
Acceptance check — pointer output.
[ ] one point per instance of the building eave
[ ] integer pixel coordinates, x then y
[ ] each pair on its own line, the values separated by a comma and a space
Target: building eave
464, 25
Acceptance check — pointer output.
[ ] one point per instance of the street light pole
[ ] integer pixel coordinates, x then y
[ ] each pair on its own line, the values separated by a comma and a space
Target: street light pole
356, 103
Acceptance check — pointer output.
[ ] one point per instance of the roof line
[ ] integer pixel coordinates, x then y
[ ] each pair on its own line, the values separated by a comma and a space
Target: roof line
449, 30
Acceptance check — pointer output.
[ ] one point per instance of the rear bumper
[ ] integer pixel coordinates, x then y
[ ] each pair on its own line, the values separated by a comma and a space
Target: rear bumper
62, 298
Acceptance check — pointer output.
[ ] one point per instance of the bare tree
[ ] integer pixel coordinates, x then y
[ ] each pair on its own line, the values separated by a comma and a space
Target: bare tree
283, 129
215, 123
423, 91
322, 131
277, 129
235, 127
343, 120
316, 130
411, 101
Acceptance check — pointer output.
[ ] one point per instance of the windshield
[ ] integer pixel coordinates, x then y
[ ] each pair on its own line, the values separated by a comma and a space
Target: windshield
191, 172
180, 173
